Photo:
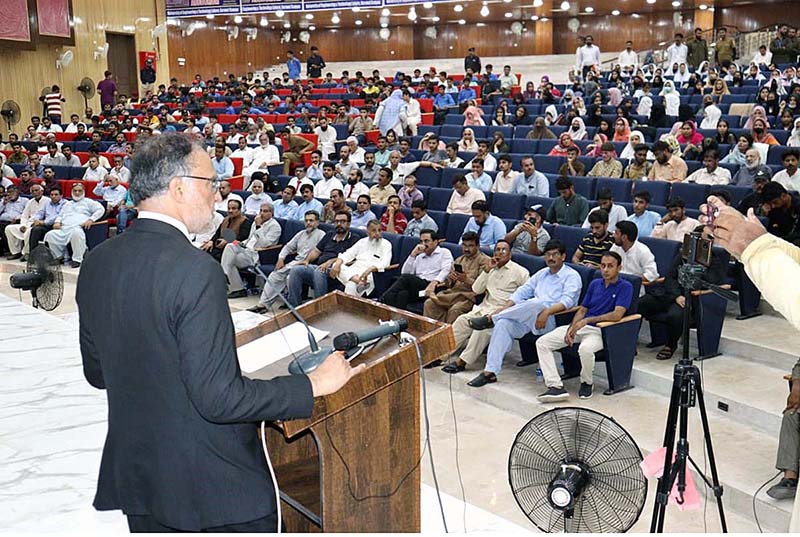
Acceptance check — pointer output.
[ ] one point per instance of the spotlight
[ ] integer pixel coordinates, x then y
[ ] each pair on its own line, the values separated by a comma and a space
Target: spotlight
458, 8
564, 6
279, 13
264, 21
359, 22
335, 19
589, 9
485, 11
237, 19
615, 12
462, 22
385, 12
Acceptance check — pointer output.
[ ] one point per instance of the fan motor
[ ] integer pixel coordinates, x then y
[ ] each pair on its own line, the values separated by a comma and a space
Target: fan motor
567, 485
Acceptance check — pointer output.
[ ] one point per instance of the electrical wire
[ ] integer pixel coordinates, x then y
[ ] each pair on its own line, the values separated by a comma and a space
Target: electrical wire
755, 514
458, 464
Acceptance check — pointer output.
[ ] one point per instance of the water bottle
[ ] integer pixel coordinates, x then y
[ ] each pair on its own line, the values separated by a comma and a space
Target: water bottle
539, 376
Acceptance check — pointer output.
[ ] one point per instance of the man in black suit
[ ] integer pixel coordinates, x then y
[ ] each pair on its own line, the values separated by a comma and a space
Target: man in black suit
182, 451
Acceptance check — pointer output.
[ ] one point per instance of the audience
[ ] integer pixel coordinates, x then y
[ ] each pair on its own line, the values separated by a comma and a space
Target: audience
637, 259
569, 208
362, 214
616, 213
463, 196
264, 233
488, 227
236, 222
675, 224
354, 266
383, 190
70, 225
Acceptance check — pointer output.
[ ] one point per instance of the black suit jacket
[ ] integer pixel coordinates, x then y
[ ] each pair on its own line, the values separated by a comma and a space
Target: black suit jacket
156, 333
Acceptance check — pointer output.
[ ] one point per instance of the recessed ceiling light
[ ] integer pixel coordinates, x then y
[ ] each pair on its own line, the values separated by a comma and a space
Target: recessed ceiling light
309, 16
564, 6
385, 12
312, 28
651, 1
538, 3
485, 11
544, 19
384, 25
287, 25
508, 14
210, 17
359, 22
335, 19
702, 7
264, 21
356, 9
480, 24
279, 13
635, 15
237, 19
676, 3
462, 22
589, 9
427, 5
535, 18
435, 19
615, 12
458, 8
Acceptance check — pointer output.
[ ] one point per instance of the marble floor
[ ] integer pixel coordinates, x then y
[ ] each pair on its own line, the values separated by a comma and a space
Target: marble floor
52, 427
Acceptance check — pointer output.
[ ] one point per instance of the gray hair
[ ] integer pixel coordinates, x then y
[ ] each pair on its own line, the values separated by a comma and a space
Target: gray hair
157, 161
374, 222
268, 205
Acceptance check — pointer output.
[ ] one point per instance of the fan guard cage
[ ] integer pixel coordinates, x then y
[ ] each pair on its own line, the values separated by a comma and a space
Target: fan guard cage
48, 296
617, 490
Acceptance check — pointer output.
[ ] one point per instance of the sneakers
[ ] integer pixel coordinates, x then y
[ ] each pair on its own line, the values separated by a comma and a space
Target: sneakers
784, 490
585, 391
554, 394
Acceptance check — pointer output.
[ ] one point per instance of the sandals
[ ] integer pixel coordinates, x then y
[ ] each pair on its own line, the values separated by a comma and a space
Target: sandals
665, 353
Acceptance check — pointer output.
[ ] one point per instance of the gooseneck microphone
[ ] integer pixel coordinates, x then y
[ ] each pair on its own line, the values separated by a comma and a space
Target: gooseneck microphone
350, 340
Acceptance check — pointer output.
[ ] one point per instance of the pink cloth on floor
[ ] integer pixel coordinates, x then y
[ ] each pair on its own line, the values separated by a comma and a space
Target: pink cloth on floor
653, 466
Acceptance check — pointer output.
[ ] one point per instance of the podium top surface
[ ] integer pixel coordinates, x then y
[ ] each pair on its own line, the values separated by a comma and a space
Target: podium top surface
387, 362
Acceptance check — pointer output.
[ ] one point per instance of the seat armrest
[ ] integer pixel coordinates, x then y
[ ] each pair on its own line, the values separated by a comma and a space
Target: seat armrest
268, 248
709, 291
626, 319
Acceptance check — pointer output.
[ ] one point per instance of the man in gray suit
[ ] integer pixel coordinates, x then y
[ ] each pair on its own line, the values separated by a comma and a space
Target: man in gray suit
182, 451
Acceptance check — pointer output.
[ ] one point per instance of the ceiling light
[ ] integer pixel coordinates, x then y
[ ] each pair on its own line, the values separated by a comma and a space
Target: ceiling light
458, 8
538, 3
279, 13
565, 6
508, 14
615, 12
427, 5
702, 7
589, 9
264, 21
485, 11
210, 17
359, 22
462, 22
287, 25
384, 25
237, 19
635, 15
435, 19
312, 28
412, 14
335, 19
309, 16
385, 12
676, 3
544, 19
535, 18
356, 9
651, 1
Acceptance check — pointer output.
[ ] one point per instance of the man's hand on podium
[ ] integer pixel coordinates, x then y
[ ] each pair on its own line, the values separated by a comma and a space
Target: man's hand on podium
332, 374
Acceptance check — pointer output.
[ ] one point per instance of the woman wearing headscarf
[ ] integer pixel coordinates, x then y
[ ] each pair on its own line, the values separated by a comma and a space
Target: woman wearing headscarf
635, 139
645, 106
605, 128
563, 145
758, 112
594, 116
737, 154
540, 131
658, 116
500, 119
551, 115
520, 117
773, 105
388, 116
711, 115
672, 99
468, 142
688, 134
794, 138
577, 129
622, 130
614, 97
724, 134
594, 148
579, 105
530, 92
760, 133
473, 117
720, 88
568, 97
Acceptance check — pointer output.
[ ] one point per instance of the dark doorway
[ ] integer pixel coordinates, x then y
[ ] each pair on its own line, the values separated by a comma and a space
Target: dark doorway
122, 63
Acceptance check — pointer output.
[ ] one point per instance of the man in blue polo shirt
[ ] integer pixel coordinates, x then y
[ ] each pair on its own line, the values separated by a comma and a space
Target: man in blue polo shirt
606, 300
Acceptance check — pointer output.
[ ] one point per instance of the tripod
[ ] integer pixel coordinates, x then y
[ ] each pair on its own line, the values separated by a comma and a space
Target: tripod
687, 390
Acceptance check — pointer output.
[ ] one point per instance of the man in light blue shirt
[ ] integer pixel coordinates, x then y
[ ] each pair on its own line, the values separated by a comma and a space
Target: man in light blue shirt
530, 309
314, 171
420, 219
222, 164
489, 228
530, 182
286, 207
465, 93
309, 202
478, 178
293, 66
362, 215
645, 220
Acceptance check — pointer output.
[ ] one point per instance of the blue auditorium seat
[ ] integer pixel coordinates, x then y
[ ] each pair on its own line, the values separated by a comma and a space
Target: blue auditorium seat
438, 198
428, 176
455, 227
620, 188
691, 193
507, 205
571, 236
659, 191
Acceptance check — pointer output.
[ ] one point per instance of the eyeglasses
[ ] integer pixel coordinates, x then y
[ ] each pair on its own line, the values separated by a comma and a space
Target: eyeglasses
215, 181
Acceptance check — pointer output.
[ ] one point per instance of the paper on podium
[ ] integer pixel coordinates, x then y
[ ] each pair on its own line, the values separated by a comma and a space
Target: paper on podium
273, 347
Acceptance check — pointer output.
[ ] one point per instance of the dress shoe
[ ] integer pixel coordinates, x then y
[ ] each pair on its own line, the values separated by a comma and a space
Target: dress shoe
433, 364
258, 308
241, 293
523, 363
482, 380
480, 323
75, 264
454, 367
12, 257
23, 258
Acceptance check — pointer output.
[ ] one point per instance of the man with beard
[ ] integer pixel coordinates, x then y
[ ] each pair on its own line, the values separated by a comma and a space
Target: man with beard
237, 255
69, 227
354, 267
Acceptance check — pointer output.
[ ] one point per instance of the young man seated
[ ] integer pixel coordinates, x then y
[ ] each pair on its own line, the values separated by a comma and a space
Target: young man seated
606, 300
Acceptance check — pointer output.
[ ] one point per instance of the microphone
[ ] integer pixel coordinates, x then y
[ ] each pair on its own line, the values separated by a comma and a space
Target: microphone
308, 362
350, 340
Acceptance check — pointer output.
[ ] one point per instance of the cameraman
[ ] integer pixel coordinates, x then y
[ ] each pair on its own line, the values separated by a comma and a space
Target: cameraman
771, 263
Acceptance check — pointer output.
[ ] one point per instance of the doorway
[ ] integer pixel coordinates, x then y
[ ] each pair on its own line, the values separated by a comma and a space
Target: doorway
122, 63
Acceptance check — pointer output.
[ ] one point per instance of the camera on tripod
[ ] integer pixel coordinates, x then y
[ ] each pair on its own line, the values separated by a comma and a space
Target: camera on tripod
696, 249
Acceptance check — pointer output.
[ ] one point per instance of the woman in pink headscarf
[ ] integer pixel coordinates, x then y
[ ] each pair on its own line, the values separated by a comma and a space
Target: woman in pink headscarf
563, 145
614, 97
622, 130
472, 117
688, 134
758, 112
594, 148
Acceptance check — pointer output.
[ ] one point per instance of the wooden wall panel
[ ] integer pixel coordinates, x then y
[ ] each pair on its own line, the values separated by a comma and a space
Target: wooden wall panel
754, 16
491, 39
27, 72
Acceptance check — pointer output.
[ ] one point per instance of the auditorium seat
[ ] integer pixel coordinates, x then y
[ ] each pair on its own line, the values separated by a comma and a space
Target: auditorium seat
692, 194
571, 236
507, 205
455, 227
438, 198
659, 191
620, 188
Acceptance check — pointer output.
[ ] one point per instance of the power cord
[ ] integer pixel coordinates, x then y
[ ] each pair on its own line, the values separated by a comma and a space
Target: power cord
458, 464
755, 514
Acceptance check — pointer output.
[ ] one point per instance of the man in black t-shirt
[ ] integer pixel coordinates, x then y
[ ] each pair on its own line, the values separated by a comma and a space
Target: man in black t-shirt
753, 200
314, 64
783, 210
317, 270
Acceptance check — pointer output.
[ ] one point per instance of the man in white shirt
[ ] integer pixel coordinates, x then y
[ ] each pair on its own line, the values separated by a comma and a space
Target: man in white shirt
111, 192
119, 171
70, 159
789, 176
74, 121
48, 126
675, 224
637, 259
507, 80
234, 135
489, 162
356, 153
328, 182
225, 196
506, 180
265, 232
587, 56
354, 267
676, 52
463, 196
253, 203
314, 171
242, 151
326, 137
628, 58
18, 235
763, 56
77, 216
413, 113
355, 187
264, 156
616, 213
711, 173
94, 172
400, 170
53, 157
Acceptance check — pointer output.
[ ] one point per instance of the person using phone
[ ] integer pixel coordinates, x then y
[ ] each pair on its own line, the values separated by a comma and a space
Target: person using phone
426, 268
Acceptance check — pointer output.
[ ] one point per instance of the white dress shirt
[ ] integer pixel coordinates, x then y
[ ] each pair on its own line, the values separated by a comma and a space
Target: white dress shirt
720, 176
324, 186
789, 182
639, 261
252, 205
617, 214
174, 222
123, 174
245, 154
628, 58
97, 174
326, 140
676, 54
587, 56
434, 267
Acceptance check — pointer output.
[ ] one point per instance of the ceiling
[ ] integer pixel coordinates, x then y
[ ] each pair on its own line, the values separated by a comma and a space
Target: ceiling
465, 12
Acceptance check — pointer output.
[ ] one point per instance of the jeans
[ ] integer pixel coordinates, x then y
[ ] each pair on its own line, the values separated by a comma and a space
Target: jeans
124, 217
306, 275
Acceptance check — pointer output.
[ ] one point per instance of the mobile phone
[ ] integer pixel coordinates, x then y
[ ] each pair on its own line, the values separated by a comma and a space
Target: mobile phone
458, 268
712, 212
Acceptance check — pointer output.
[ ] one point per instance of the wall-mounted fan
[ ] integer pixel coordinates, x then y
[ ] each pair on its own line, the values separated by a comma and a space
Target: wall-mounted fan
575, 470
101, 52
250, 34
233, 33
86, 88
11, 113
64, 59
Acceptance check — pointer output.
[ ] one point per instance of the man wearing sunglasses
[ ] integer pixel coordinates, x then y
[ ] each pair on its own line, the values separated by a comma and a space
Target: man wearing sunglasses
182, 451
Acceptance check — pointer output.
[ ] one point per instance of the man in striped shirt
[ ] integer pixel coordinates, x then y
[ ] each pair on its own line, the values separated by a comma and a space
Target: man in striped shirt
53, 102
592, 247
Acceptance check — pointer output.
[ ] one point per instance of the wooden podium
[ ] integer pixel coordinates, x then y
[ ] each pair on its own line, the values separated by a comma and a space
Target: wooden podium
354, 466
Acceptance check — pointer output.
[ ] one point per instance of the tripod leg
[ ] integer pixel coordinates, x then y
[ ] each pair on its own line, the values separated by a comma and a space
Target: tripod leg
711, 460
666, 479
